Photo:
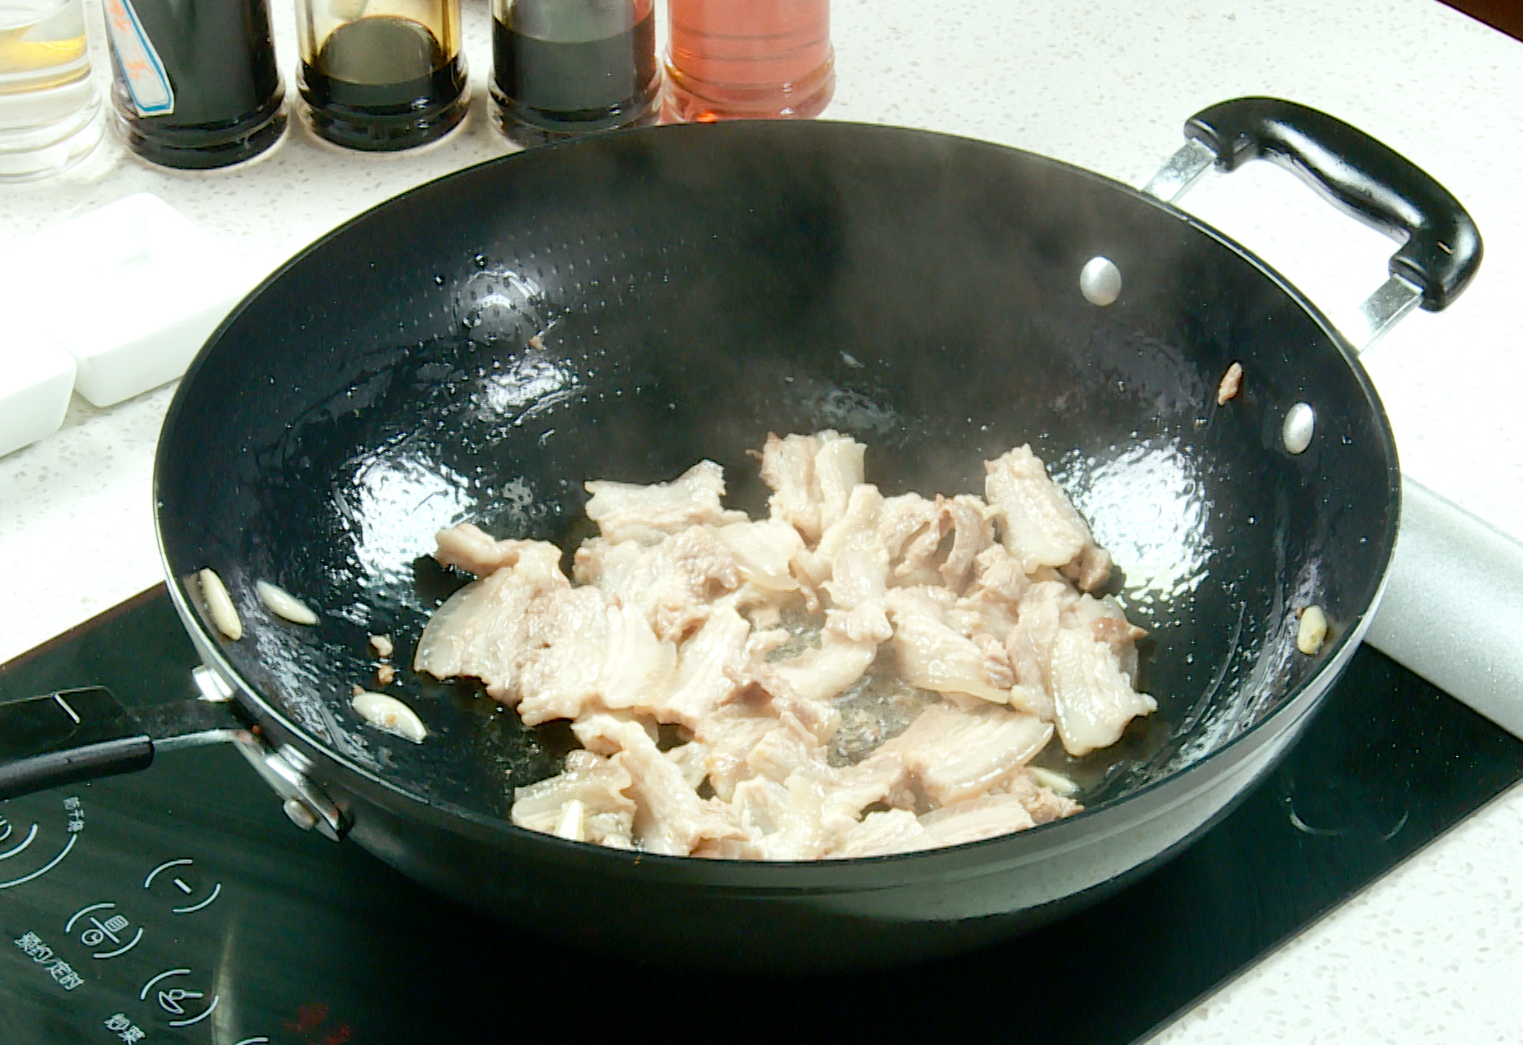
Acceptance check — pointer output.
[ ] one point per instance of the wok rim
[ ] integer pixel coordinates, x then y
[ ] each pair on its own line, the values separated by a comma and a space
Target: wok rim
1335, 654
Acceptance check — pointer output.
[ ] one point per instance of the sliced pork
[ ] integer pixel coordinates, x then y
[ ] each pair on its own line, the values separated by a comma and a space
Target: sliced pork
626, 511
956, 754
1037, 523
731, 681
812, 477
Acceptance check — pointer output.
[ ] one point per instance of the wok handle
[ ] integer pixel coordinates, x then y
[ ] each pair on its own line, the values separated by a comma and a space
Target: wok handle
81, 734
1443, 247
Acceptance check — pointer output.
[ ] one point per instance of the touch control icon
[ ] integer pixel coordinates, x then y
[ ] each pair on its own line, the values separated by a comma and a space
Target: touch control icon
177, 881
14, 842
191, 1006
101, 926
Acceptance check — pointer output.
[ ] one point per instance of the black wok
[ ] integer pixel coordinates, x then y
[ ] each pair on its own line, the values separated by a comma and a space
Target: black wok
620, 307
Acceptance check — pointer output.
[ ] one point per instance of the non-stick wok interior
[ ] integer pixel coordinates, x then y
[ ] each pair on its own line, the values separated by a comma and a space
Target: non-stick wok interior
622, 307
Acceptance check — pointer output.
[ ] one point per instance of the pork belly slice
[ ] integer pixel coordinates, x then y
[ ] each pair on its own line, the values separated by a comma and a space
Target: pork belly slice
838, 470
970, 821
972, 532
467, 547
853, 568
480, 630
584, 651
901, 518
819, 674
606, 815
1095, 699
1037, 524
927, 558
784, 749
691, 760
958, 754
879, 833
782, 821
1107, 623
814, 810
1028, 645
602, 732
1074, 659
934, 655
763, 551
856, 526
811, 477
670, 582
669, 816
711, 665
729, 735
998, 579
629, 511
866, 622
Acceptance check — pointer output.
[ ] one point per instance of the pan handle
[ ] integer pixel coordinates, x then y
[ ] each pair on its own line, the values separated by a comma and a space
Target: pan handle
81, 734
1442, 247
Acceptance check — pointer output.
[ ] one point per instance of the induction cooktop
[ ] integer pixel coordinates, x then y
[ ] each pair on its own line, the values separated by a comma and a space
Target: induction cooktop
180, 905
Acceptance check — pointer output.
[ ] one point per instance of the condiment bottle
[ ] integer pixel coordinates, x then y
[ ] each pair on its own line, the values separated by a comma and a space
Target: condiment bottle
738, 59
381, 75
194, 81
566, 67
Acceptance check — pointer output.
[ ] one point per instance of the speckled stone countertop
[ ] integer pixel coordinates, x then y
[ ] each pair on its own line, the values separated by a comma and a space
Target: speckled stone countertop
1433, 952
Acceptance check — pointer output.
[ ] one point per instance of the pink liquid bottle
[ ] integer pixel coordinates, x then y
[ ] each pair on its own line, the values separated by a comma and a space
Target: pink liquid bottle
748, 59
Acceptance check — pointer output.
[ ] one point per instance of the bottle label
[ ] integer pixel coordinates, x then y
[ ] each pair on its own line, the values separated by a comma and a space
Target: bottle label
142, 72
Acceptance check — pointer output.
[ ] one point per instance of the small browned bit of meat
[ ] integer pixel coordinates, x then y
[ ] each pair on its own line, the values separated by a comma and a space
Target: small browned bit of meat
1232, 381
385, 674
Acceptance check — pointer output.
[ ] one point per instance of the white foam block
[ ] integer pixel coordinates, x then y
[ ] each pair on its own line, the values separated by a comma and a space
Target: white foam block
36, 379
131, 290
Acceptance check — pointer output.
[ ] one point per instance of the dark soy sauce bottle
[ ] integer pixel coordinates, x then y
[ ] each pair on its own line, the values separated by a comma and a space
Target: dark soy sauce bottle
382, 75
566, 67
194, 82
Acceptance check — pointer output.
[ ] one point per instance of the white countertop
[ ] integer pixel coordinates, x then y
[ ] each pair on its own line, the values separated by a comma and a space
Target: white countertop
1433, 952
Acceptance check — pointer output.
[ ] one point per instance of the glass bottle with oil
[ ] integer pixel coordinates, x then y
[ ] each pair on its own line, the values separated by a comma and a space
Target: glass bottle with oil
381, 75
50, 112
562, 68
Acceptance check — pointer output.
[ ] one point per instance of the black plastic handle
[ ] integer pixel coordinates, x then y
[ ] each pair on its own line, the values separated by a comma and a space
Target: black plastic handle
80, 734
63, 737
1443, 247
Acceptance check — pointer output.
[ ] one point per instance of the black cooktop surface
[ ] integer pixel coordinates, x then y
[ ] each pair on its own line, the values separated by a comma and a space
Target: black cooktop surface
181, 905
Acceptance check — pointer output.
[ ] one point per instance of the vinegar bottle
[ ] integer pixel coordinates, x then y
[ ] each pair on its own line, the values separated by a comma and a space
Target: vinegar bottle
738, 59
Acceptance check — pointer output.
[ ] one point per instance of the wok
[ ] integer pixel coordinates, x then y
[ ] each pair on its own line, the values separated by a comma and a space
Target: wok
619, 307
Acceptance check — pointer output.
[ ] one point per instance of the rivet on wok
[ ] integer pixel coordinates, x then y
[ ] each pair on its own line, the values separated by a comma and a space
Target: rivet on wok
1100, 281
1300, 422
299, 813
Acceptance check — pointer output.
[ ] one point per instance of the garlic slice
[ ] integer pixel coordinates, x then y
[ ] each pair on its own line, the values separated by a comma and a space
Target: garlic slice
573, 822
1312, 631
220, 605
389, 714
1054, 782
283, 604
